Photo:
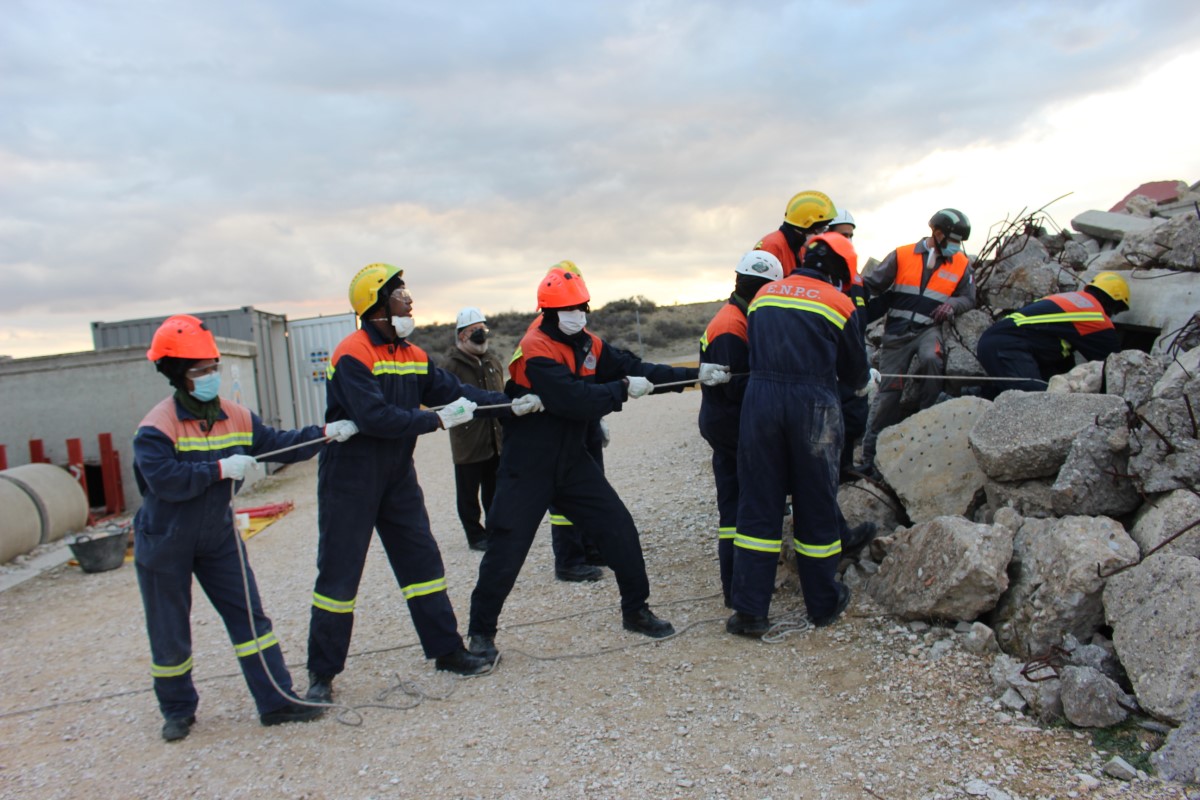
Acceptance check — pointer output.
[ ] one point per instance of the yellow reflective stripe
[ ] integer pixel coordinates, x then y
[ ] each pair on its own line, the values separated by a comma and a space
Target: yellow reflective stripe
251, 647
158, 671
559, 519
187, 444
400, 368
1067, 316
516, 354
422, 589
726, 533
333, 606
761, 545
329, 372
799, 304
818, 550
704, 342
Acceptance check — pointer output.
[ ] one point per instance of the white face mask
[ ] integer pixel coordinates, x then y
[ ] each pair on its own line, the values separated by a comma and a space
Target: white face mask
403, 326
571, 322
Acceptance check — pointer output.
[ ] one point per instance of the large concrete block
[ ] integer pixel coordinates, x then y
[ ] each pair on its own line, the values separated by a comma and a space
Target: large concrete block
1179, 758
1056, 589
1093, 480
863, 501
947, 568
1164, 449
1114, 227
962, 340
1154, 611
1165, 516
1175, 244
1032, 498
1021, 274
928, 463
1029, 434
1132, 375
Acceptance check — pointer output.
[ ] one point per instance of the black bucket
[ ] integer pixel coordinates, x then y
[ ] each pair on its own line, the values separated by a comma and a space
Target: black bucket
99, 552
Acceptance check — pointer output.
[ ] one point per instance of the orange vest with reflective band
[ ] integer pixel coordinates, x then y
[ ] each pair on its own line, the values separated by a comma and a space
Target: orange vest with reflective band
775, 244
730, 319
236, 430
537, 344
909, 300
1078, 308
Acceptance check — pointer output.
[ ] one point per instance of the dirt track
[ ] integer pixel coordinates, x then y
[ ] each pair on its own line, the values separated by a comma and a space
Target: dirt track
856, 710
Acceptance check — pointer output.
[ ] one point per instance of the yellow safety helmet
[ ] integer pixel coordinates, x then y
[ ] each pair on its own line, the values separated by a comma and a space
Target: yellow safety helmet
1113, 285
808, 208
365, 286
569, 266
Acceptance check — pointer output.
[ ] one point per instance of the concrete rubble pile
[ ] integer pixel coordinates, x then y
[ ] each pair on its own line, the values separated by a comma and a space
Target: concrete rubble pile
1037, 522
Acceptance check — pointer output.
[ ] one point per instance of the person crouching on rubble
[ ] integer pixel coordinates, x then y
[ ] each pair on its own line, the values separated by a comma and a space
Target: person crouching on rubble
191, 453
804, 340
578, 378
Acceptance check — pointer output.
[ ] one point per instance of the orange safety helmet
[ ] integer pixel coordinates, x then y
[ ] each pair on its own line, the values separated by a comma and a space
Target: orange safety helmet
183, 336
841, 247
562, 288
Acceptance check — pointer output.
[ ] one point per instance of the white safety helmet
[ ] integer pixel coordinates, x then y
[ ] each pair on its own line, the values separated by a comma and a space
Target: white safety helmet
469, 316
843, 217
761, 264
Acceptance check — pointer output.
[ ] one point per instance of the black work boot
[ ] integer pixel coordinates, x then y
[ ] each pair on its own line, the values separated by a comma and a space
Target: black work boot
843, 600
479, 544
176, 728
743, 624
481, 645
292, 712
857, 538
645, 622
579, 573
464, 663
320, 688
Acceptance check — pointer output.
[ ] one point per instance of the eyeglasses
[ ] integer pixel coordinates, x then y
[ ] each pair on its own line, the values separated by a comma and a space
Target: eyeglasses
200, 372
401, 295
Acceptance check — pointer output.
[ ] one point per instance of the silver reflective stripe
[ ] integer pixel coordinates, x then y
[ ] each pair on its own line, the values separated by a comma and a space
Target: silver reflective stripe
907, 315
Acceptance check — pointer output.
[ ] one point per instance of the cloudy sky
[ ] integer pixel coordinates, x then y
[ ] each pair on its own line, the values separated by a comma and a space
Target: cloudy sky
159, 157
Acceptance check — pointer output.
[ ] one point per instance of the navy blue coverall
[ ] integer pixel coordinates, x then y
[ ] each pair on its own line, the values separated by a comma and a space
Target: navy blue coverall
545, 460
724, 342
184, 528
804, 341
370, 482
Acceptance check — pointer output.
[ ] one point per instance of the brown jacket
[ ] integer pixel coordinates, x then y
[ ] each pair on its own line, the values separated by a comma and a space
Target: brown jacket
479, 439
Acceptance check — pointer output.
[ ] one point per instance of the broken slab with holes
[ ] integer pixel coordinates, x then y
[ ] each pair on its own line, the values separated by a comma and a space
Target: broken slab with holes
927, 460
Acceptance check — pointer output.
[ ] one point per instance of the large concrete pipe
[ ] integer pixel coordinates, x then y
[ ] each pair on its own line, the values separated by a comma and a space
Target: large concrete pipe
39, 503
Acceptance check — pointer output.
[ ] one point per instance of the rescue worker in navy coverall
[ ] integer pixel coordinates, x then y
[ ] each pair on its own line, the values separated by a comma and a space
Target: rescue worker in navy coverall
724, 342
1041, 339
804, 342
379, 379
579, 379
921, 285
190, 454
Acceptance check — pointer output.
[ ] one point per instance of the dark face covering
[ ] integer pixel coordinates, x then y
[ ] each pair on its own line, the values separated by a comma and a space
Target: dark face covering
478, 336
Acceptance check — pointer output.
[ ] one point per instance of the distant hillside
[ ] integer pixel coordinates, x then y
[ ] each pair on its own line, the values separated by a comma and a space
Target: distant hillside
668, 334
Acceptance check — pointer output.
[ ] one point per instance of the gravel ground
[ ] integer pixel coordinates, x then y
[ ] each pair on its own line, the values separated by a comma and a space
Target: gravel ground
576, 708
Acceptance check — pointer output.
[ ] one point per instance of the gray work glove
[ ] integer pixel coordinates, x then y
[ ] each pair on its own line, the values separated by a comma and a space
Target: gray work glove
605, 436
639, 386
872, 383
714, 374
234, 467
527, 404
459, 412
340, 430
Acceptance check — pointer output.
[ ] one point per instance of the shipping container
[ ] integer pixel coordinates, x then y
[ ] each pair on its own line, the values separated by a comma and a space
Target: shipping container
312, 342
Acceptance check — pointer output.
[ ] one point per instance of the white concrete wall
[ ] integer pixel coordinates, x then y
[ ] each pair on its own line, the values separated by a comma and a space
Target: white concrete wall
81, 395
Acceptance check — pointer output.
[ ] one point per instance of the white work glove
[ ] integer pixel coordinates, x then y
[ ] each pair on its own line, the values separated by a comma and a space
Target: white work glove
341, 429
714, 374
459, 412
526, 404
639, 386
872, 382
235, 467
605, 436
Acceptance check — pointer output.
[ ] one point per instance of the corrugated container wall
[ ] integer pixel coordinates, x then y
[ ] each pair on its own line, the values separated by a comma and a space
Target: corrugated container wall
272, 378
312, 342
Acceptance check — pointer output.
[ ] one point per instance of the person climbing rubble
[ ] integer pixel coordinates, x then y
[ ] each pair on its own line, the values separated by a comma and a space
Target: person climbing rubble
578, 378
805, 341
379, 380
1042, 338
921, 286
191, 453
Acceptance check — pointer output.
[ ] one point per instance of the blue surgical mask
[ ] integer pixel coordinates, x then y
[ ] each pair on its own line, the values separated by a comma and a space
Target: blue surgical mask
206, 387
949, 248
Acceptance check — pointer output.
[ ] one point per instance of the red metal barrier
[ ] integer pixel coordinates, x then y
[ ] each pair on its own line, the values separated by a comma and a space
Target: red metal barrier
37, 452
3, 457
110, 471
75, 463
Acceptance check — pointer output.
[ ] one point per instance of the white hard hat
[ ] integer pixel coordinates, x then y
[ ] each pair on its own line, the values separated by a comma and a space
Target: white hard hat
469, 316
761, 264
843, 217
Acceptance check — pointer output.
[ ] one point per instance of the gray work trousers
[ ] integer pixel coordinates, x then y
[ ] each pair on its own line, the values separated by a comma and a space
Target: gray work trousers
920, 353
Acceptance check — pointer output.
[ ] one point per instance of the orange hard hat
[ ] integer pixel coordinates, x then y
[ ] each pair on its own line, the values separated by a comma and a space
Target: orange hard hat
562, 288
840, 245
183, 336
